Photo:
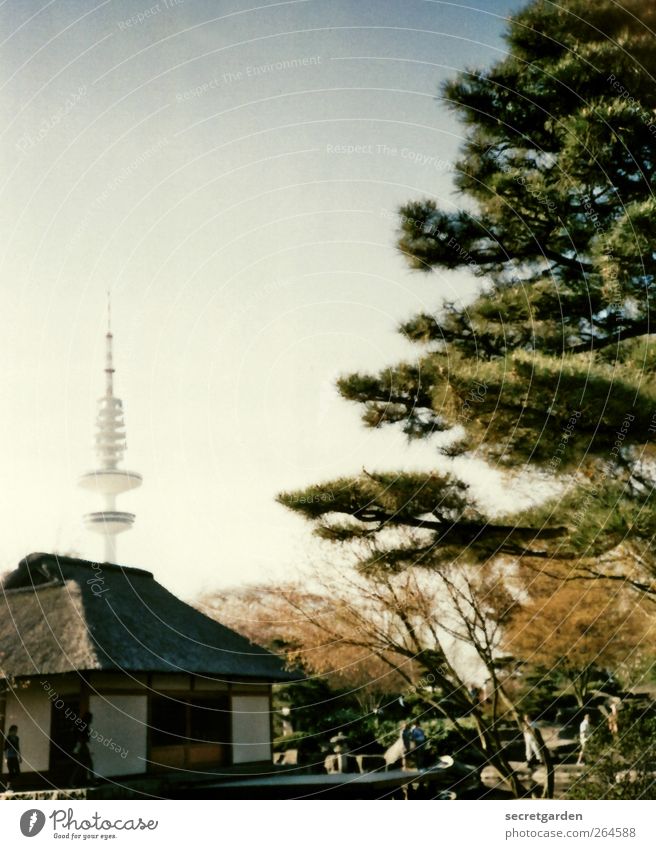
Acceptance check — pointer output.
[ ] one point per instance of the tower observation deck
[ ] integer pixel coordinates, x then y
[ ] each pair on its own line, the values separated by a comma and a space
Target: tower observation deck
109, 480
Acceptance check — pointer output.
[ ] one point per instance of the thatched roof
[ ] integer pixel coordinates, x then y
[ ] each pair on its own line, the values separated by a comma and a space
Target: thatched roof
60, 614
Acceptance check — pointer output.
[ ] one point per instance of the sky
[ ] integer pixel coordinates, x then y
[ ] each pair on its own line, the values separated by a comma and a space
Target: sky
229, 172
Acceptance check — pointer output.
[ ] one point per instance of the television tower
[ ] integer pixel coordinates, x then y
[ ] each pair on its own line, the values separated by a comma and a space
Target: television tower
109, 481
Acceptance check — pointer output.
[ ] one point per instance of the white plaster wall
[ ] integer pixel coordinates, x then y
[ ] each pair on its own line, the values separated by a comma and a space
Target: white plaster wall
29, 709
119, 736
251, 729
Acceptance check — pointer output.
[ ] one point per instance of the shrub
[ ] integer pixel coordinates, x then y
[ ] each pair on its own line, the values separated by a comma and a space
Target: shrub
621, 766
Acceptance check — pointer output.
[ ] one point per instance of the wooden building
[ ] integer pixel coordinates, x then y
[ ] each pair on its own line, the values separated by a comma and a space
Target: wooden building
168, 687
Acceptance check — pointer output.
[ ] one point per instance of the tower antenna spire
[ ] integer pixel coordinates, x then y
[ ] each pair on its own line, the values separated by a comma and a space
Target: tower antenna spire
109, 480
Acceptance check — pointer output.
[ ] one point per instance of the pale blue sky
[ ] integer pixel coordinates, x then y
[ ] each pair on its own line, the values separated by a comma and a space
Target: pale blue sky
251, 258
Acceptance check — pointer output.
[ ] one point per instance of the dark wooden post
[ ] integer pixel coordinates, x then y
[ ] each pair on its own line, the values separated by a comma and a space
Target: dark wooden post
3, 714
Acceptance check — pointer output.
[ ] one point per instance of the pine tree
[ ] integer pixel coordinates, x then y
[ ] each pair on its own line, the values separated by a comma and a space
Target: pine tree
551, 368
549, 372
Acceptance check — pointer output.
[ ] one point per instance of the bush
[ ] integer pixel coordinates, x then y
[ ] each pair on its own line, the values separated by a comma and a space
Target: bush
622, 766
442, 738
290, 741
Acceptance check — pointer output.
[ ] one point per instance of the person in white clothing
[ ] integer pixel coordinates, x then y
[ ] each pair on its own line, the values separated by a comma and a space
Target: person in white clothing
532, 750
585, 732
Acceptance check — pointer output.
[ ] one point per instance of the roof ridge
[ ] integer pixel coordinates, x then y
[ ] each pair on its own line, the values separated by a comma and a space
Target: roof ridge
38, 558
56, 582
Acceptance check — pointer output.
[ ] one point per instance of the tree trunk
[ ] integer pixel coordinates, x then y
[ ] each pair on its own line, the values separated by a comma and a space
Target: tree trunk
493, 751
545, 754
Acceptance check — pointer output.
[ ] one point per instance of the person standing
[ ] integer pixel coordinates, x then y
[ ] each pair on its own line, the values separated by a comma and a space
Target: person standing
83, 767
12, 753
531, 748
405, 743
418, 742
613, 720
585, 732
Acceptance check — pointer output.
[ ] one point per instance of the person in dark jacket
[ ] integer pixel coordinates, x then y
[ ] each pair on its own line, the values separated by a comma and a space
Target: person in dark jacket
12, 753
83, 769
418, 743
